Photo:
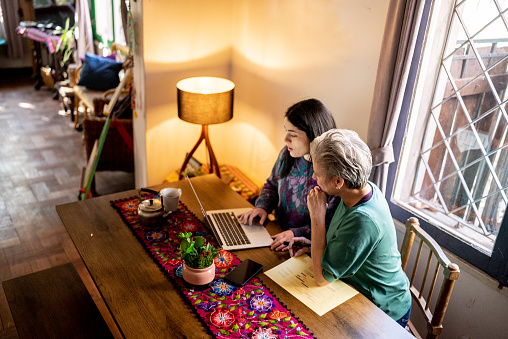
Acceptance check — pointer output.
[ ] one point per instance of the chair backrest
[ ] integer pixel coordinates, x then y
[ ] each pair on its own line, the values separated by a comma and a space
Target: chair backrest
450, 273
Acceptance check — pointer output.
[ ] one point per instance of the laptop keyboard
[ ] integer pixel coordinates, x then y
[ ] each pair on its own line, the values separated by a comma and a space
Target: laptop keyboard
230, 228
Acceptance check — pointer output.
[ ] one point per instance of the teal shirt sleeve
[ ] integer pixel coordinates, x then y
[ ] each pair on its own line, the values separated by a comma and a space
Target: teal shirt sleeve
348, 245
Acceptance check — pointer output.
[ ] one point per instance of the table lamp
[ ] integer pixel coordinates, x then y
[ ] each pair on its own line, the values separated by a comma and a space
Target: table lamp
205, 101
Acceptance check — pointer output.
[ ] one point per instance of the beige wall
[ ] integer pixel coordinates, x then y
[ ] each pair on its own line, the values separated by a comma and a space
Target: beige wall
180, 39
276, 52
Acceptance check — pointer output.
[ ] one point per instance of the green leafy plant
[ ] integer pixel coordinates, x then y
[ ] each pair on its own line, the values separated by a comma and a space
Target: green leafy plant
195, 251
66, 42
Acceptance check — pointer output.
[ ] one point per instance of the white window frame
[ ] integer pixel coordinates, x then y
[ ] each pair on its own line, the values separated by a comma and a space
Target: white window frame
426, 79
110, 28
422, 99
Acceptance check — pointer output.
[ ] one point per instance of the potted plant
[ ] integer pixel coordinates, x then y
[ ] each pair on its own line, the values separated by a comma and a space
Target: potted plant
66, 43
198, 256
65, 49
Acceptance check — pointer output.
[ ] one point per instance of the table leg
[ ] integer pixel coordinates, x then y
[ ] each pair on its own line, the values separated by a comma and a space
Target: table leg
37, 61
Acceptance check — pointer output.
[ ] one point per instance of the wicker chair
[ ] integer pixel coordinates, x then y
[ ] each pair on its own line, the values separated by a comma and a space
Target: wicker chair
84, 98
450, 274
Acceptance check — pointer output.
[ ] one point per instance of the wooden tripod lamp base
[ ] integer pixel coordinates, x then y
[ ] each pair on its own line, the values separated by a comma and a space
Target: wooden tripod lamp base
214, 165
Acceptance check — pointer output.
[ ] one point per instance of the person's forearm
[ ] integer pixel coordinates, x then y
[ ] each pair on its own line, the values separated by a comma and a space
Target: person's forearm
268, 198
318, 231
303, 231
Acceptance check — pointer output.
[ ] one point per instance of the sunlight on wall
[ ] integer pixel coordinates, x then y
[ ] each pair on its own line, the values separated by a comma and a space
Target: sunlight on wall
296, 26
183, 31
245, 143
235, 142
168, 143
276, 52
285, 53
179, 42
160, 148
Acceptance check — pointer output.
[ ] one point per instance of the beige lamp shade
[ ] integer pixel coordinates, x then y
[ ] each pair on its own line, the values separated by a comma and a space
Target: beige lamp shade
205, 100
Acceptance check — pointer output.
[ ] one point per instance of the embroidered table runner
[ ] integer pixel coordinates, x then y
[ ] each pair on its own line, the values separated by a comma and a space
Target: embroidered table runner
228, 312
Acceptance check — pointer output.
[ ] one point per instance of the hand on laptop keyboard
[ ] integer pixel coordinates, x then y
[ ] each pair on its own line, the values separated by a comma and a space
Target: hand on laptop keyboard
248, 218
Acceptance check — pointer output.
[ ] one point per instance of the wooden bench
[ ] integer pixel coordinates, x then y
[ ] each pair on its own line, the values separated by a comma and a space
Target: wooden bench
54, 303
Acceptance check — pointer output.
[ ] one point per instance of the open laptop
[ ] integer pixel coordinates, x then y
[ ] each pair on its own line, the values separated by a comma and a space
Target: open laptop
229, 232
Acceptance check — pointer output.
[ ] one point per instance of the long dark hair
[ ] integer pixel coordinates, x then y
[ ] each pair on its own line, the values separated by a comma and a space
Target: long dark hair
310, 116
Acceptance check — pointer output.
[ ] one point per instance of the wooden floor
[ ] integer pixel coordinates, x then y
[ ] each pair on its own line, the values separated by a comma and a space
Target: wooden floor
41, 158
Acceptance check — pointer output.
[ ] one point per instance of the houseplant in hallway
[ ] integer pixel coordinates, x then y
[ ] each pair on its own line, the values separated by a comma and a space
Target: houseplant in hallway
65, 48
198, 256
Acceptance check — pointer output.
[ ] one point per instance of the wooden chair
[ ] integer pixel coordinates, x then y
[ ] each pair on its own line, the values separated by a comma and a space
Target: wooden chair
450, 273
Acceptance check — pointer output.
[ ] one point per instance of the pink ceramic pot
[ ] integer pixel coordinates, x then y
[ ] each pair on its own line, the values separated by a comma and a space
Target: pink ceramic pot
198, 276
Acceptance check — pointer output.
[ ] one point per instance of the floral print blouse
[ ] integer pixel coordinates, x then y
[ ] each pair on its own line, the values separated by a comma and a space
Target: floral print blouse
288, 196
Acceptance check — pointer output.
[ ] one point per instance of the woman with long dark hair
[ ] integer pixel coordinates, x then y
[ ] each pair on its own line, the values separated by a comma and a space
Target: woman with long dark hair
290, 182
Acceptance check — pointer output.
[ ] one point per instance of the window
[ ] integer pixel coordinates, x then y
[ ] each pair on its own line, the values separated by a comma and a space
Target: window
453, 167
2, 29
107, 22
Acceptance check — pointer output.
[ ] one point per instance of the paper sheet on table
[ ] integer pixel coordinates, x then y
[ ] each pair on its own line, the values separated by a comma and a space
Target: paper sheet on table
295, 275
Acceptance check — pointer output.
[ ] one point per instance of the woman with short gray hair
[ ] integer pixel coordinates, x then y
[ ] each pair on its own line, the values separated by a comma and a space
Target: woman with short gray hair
343, 154
359, 245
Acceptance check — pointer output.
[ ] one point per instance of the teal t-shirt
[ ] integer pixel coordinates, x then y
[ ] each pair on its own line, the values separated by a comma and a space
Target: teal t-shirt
362, 250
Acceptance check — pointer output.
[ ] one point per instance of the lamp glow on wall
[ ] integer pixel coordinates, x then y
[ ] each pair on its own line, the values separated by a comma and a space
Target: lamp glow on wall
205, 101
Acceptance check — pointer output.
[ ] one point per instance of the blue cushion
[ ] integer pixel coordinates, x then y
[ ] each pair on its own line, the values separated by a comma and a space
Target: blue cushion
112, 56
99, 73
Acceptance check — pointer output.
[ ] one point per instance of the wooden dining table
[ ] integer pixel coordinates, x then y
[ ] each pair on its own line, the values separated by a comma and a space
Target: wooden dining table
145, 304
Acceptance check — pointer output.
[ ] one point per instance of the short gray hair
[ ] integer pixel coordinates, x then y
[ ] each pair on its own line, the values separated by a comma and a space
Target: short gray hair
341, 152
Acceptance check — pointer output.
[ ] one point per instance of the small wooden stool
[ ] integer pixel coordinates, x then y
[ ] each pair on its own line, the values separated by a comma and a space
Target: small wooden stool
54, 303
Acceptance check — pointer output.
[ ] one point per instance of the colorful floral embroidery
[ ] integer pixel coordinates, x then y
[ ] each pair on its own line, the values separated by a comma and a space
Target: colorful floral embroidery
130, 206
188, 227
177, 271
220, 287
263, 333
224, 259
240, 316
228, 312
207, 306
174, 262
156, 236
277, 315
221, 318
239, 291
260, 303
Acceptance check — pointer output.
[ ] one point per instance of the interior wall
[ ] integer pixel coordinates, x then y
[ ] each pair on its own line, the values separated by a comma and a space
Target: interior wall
181, 39
276, 52
287, 51
5, 62
139, 121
